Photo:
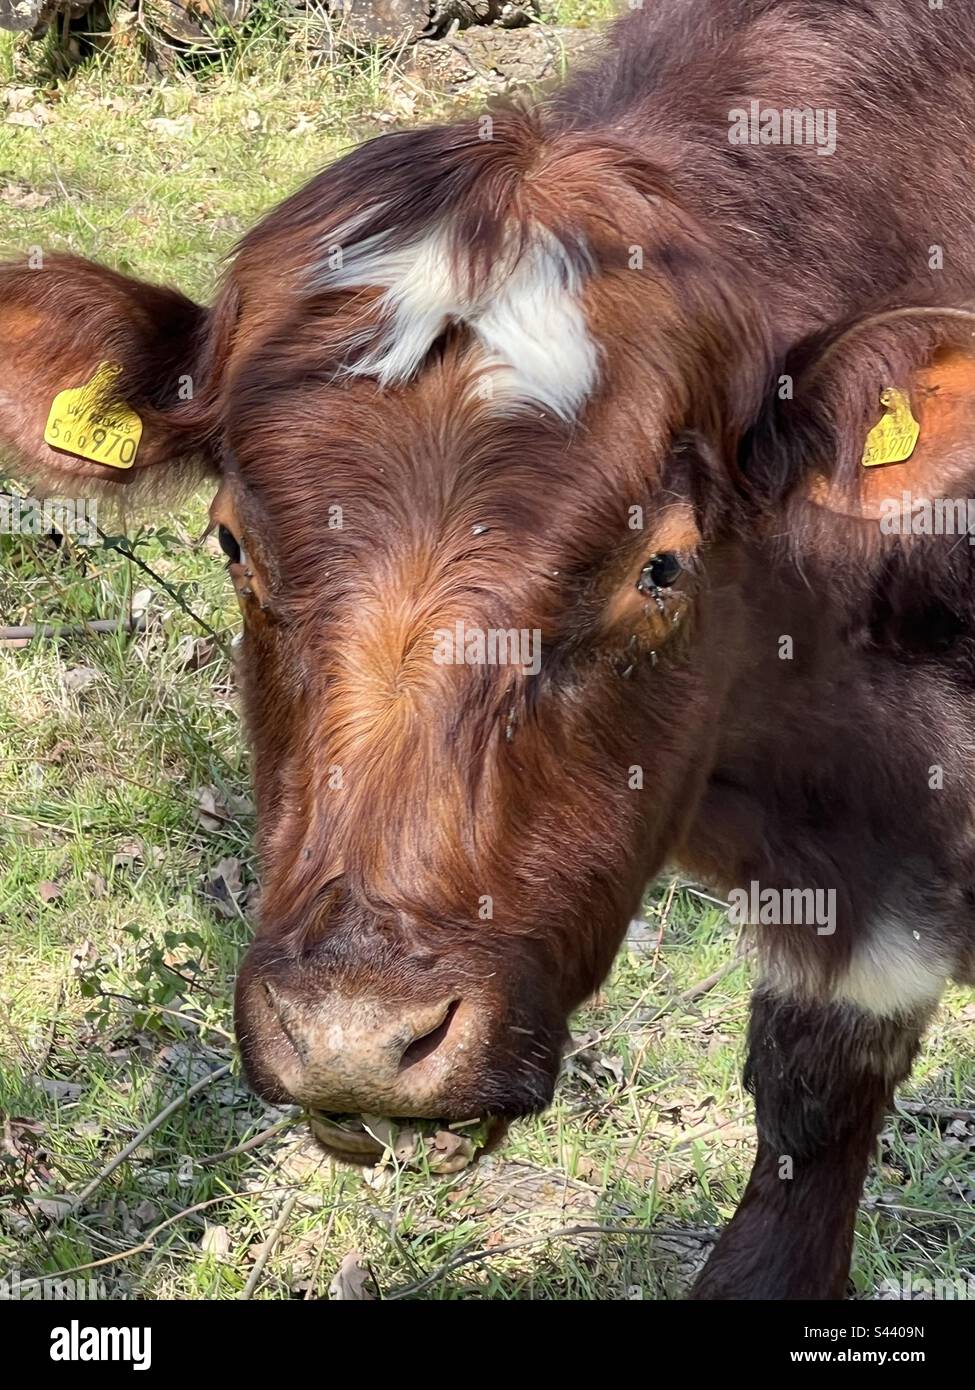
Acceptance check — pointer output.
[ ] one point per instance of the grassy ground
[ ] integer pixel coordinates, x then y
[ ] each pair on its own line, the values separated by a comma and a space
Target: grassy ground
126, 871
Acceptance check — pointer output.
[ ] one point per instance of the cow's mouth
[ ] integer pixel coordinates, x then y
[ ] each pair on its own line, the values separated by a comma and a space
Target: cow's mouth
435, 1146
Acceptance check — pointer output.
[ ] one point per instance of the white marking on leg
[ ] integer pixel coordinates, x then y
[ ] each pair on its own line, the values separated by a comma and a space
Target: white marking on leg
892, 972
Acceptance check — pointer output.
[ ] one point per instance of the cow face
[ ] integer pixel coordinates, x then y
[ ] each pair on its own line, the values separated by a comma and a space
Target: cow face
486, 605
488, 611
470, 430
474, 435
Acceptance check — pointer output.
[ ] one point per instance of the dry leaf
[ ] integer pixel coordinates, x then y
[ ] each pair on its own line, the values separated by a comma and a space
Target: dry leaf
59, 1090
351, 1281
182, 125
212, 809
384, 1131
78, 678
450, 1153
49, 892
128, 854
141, 600
406, 1145
27, 199
216, 1241
55, 1208
18, 98
83, 957
223, 886
193, 653
24, 118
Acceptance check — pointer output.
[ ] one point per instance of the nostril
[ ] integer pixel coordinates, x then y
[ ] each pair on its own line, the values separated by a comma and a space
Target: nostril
423, 1046
279, 1007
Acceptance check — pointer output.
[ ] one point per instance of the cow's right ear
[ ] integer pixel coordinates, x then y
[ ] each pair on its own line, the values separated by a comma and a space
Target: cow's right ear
101, 378
883, 406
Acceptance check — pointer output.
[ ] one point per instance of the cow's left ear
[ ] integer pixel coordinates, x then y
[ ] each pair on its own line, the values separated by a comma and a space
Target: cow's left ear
885, 406
101, 377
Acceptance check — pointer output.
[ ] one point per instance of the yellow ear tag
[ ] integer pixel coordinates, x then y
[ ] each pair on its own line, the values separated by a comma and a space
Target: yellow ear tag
87, 422
894, 439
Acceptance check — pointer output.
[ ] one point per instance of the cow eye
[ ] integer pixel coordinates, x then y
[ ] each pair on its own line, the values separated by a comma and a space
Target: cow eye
229, 544
660, 572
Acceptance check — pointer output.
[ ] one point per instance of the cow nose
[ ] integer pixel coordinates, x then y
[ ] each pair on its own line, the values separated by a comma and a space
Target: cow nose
366, 1054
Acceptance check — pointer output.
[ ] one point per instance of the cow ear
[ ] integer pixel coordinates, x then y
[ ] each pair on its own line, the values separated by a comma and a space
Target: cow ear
100, 378
886, 407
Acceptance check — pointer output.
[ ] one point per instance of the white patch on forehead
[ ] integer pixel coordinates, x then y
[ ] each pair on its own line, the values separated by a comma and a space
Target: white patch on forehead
535, 331
526, 317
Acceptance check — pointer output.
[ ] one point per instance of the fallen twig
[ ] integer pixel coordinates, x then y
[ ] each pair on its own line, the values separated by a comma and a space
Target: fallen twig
689, 1139
254, 1277
696, 892
145, 1245
45, 1056
326, 1237
143, 1134
122, 547
254, 1142
686, 996
702, 987
561, 1233
200, 1026
947, 1216
664, 918
20, 636
936, 1111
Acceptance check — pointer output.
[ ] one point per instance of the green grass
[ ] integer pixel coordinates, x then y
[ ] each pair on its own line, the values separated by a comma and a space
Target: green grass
116, 991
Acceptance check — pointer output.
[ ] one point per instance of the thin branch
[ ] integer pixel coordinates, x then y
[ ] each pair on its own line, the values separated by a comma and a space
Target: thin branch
122, 546
686, 996
875, 1208
45, 1056
144, 1245
253, 1279
20, 636
326, 1237
254, 1142
561, 1233
935, 1110
128, 553
689, 1139
143, 1134
696, 892
702, 987
151, 1008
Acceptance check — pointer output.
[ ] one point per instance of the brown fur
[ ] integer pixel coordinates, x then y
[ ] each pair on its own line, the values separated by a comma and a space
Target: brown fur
459, 784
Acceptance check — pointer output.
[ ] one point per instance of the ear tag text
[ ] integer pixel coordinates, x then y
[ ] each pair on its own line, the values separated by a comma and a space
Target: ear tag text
88, 422
895, 437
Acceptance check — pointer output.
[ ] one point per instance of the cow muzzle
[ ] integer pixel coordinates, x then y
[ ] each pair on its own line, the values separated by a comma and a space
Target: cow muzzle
352, 1054
362, 1024
343, 1054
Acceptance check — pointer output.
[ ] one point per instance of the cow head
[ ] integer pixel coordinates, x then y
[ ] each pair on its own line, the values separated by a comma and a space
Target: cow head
473, 399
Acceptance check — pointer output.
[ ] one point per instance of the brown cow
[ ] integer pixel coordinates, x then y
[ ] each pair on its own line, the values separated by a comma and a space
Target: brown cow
518, 545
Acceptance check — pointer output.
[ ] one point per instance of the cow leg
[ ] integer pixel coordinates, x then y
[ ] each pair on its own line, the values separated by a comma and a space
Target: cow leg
823, 1076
